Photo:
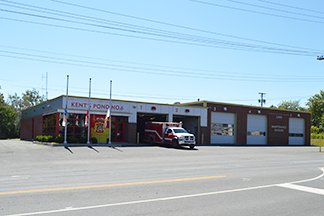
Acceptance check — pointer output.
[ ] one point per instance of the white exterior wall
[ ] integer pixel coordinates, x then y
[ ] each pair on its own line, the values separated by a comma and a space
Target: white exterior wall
219, 134
256, 130
130, 109
296, 131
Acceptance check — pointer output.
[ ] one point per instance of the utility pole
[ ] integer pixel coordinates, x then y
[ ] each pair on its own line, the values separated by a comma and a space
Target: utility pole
262, 100
46, 86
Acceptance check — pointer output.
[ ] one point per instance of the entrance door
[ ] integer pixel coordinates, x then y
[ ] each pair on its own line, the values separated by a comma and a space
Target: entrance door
223, 128
296, 131
119, 131
256, 130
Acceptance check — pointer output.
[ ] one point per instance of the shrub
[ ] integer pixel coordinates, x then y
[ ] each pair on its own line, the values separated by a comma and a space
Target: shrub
315, 130
39, 138
317, 136
46, 138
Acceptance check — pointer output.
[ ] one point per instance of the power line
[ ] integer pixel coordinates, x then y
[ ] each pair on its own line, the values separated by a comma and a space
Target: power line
188, 39
255, 12
192, 39
292, 6
275, 9
141, 66
137, 95
177, 26
152, 71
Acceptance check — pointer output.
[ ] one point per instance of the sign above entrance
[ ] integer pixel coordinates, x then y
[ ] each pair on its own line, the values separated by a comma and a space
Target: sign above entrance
97, 105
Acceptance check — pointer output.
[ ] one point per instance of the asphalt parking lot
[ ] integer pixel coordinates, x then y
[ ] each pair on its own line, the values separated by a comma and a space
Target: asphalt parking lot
211, 180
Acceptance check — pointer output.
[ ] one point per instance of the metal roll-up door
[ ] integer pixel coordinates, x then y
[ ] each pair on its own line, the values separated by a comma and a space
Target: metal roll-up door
223, 128
256, 130
296, 131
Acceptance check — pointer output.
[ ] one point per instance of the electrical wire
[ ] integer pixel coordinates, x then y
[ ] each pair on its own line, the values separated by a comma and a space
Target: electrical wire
98, 92
174, 36
154, 71
141, 66
176, 25
291, 7
255, 12
274, 9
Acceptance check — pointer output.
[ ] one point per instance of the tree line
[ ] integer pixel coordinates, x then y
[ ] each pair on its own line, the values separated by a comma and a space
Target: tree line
10, 110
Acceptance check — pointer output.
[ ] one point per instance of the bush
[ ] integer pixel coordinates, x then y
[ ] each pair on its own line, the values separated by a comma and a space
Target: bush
315, 130
45, 138
317, 136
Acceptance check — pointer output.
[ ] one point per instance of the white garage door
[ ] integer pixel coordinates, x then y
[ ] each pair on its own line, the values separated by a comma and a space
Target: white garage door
223, 128
296, 131
256, 130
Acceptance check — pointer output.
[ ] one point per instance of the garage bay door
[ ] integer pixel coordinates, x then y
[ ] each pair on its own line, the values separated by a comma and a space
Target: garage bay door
223, 128
256, 130
296, 131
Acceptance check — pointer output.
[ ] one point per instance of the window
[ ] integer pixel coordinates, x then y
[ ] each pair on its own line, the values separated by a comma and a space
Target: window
76, 125
256, 133
222, 129
179, 130
296, 135
169, 131
49, 124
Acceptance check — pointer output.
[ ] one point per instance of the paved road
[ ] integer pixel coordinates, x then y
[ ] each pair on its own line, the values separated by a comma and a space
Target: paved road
244, 181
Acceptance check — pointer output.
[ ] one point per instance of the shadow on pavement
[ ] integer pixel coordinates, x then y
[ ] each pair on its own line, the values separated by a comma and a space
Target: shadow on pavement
67, 148
90, 147
177, 148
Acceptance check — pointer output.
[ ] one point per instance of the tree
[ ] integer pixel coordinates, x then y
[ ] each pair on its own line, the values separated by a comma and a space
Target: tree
8, 118
316, 107
291, 105
2, 101
17, 104
31, 98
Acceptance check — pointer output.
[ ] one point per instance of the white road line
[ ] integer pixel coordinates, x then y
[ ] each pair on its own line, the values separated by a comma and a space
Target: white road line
311, 179
303, 188
143, 201
172, 197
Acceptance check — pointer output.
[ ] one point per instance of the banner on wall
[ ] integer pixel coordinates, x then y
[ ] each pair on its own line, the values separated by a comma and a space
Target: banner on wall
98, 128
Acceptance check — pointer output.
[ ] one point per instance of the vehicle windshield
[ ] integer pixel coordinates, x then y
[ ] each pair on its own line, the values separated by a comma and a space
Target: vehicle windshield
179, 130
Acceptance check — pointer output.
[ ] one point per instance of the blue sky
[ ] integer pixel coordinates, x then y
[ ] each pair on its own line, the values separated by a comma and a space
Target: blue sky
196, 49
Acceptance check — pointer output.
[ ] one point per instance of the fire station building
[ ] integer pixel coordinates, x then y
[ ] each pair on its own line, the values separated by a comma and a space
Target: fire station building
127, 119
211, 122
249, 125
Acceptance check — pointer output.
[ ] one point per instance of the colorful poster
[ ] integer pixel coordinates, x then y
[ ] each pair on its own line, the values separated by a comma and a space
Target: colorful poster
98, 129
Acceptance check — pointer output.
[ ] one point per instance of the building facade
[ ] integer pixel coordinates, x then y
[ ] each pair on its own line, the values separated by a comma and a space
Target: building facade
212, 123
128, 119
248, 125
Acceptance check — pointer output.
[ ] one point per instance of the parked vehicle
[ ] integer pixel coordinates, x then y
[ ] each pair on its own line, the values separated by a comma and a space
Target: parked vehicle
168, 133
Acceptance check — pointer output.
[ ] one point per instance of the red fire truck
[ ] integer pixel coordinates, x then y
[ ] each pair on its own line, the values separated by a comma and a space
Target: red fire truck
170, 133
